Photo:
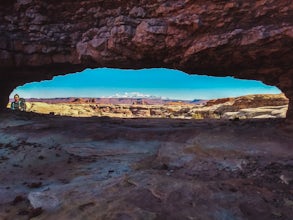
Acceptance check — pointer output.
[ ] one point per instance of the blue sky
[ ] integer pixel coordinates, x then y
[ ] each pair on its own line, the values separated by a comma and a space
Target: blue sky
165, 83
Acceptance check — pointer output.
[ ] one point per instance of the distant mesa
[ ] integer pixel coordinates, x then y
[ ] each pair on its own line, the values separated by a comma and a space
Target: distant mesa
250, 106
114, 101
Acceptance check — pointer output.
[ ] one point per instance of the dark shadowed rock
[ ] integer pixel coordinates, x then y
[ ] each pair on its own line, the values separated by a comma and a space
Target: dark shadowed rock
251, 39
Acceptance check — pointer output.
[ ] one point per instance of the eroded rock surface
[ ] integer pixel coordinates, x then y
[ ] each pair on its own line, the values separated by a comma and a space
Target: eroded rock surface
103, 168
244, 107
246, 39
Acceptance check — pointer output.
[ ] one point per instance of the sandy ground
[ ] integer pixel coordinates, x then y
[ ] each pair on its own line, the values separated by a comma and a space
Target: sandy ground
55, 167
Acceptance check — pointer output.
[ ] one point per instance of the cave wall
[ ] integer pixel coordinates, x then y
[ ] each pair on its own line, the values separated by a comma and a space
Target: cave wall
246, 39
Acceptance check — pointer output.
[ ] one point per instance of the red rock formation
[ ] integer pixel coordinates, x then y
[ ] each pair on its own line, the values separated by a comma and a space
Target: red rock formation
246, 39
255, 101
219, 101
251, 101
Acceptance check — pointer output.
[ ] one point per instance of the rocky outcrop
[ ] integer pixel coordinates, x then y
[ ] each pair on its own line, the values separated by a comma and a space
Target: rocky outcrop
244, 107
255, 101
244, 39
251, 101
106, 168
218, 101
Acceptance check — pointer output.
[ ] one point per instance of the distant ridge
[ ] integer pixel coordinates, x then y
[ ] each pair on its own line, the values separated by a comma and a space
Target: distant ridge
115, 101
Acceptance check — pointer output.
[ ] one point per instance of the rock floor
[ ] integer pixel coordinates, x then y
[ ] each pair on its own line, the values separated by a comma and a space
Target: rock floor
109, 168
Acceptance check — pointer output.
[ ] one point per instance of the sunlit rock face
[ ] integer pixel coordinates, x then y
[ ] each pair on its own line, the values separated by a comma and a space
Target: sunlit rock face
247, 39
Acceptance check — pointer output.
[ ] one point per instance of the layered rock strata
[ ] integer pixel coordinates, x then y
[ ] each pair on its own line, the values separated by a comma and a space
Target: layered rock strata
244, 39
244, 107
105, 168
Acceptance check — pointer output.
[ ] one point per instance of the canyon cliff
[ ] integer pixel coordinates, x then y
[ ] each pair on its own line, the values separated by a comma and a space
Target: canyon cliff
244, 107
243, 39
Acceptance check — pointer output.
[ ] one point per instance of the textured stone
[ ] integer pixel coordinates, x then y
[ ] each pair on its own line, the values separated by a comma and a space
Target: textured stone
250, 40
106, 168
244, 107
44, 200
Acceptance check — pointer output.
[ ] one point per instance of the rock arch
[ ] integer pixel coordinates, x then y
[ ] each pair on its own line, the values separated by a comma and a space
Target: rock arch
246, 39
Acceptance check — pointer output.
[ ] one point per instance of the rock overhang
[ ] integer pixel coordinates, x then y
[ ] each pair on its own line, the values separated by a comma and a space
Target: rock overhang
250, 40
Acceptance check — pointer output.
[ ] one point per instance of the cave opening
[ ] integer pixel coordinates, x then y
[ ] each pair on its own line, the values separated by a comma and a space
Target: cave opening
156, 92
105, 168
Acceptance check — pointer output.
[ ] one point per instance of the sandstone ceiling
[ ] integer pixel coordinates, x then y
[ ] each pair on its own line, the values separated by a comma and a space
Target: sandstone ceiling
250, 39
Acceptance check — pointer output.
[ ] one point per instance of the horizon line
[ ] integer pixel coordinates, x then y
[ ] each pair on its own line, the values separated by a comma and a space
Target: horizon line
162, 98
